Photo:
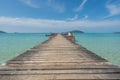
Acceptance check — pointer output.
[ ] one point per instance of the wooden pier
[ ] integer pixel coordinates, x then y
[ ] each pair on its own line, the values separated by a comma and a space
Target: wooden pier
59, 59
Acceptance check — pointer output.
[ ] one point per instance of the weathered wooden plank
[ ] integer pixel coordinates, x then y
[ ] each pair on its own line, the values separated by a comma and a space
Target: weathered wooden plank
6, 68
72, 71
62, 77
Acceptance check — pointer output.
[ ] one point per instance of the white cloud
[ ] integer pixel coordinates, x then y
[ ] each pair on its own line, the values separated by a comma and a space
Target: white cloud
76, 18
46, 23
81, 6
30, 3
52, 4
73, 18
113, 8
57, 6
86, 16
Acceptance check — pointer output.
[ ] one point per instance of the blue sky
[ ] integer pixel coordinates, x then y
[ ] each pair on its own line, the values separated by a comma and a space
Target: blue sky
59, 15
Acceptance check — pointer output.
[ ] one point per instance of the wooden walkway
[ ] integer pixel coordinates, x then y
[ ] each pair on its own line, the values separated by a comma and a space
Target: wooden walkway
58, 59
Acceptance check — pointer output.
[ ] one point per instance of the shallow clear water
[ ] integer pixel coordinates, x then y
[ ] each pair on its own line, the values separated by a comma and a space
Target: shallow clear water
105, 45
12, 45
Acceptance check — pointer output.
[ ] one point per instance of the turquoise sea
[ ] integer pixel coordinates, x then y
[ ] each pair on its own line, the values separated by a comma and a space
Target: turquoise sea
104, 44
12, 45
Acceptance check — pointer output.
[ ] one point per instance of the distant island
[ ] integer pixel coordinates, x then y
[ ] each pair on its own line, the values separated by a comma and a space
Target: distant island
117, 32
16, 32
2, 32
76, 31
